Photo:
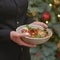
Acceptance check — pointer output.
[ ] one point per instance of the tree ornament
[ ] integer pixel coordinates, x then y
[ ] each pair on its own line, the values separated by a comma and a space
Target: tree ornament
58, 55
58, 15
56, 2
45, 16
50, 5
47, 22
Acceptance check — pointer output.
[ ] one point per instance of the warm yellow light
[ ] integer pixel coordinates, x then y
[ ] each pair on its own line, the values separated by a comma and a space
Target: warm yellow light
50, 4
58, 15
46, 21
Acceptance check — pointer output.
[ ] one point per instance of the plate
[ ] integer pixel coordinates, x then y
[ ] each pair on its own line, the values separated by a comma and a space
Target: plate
35, 40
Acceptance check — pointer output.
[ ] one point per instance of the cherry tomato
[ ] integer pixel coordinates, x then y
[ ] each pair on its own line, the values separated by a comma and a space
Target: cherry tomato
23, 30
29, 31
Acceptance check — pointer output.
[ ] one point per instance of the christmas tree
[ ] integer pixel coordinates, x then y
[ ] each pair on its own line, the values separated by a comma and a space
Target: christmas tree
47, 11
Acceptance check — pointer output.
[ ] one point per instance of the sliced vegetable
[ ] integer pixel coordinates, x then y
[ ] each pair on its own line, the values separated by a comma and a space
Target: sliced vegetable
35, 32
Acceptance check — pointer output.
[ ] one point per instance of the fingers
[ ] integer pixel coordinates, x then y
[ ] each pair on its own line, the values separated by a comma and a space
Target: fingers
21, 42
16, 37
15, 34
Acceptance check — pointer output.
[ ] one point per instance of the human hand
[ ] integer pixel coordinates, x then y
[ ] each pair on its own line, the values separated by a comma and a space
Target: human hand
16, 37
40, 23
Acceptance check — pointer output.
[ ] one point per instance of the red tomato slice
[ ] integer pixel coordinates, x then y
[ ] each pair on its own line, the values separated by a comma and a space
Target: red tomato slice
23, 30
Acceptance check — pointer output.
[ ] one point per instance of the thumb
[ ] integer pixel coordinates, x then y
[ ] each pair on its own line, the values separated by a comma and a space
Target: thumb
14, 33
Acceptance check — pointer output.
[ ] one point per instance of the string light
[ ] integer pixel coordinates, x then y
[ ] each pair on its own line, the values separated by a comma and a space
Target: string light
46, 21
58, 15
50, 4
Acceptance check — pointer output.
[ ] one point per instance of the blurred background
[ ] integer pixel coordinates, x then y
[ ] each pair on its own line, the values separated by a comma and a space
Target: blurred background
47, 11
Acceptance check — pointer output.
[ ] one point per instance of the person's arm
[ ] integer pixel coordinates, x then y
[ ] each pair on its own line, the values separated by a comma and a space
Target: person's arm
5, 34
